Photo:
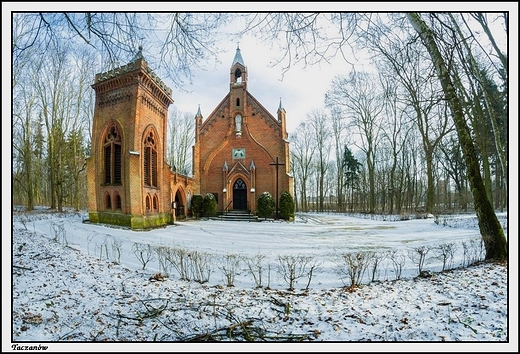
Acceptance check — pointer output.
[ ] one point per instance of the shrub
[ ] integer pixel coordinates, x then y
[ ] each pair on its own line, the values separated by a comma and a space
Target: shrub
196, 205
266, 205
209, 205
286, 206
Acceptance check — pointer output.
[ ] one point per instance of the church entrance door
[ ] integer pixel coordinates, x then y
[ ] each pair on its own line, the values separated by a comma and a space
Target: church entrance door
239, 195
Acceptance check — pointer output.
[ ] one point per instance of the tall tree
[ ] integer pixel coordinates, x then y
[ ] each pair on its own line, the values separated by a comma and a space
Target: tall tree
361, 99
484, 94
490, 228
338, 127
319, 122
181, 136
176, 42
302, 151
406, 58
352, 168
453, 162
395, 129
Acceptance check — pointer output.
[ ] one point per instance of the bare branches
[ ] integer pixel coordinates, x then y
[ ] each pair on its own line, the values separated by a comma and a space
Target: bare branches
306, 38
174, 43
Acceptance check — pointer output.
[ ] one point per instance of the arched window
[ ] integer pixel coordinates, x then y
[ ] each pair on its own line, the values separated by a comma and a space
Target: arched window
148, 203
108, 202
112, 155
238, 123
118, 201
150, 161
238, 101
155, 203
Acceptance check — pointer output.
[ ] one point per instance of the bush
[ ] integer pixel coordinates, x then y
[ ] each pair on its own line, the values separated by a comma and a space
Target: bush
196, 205
209, 205
286, 206
266, 205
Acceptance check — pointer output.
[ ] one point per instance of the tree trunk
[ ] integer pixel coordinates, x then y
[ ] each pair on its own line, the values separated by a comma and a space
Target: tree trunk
490, 228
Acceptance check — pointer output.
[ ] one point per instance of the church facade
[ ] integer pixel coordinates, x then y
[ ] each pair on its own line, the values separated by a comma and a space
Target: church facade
240, 150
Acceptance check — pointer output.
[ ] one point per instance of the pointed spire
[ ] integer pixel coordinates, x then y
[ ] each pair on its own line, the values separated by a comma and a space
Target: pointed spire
252, 166
238, 57
198, 112
225, 167
280, 107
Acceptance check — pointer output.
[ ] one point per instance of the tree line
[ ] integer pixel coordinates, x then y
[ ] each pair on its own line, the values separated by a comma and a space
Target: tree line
423, 127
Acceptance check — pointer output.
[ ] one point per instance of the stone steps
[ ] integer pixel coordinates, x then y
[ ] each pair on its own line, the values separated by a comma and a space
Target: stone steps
236, 215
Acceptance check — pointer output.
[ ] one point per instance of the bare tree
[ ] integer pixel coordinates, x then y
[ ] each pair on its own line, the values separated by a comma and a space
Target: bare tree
453, 164
181, 134
305, 41
318, 120
338, 127
24, 125
302, 151
422, 94
395, 129
359, 96
485, 90
490, 228
175, 42
61, 86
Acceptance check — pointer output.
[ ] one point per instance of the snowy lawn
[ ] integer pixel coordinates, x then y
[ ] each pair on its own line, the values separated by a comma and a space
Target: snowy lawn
209, 280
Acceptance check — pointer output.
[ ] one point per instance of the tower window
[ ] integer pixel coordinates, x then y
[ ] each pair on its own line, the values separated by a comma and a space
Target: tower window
112, 155
238, 101
238, 75
150, 161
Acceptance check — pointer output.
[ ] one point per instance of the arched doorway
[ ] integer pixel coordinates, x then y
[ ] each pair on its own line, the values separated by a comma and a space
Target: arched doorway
239, 195
178, 204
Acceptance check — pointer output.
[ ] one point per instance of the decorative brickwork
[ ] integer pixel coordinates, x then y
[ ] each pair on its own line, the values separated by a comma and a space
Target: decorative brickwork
225, 153
129, 181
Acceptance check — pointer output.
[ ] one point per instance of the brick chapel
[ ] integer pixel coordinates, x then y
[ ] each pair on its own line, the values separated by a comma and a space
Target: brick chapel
240, 150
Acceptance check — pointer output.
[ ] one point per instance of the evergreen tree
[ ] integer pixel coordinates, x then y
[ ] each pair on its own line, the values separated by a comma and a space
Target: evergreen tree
266, 205
209, 205
286, 206
196, 205
352, 167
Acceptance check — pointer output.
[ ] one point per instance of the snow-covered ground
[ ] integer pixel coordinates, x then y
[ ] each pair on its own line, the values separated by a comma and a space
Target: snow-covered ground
74, 282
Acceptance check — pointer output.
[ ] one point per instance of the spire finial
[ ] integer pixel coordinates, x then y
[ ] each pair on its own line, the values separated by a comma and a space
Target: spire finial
238, 57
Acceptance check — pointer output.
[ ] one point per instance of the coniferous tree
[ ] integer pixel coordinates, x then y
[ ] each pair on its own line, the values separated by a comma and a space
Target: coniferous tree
286, 206
266, 205
209, 205
352, 168
196, 205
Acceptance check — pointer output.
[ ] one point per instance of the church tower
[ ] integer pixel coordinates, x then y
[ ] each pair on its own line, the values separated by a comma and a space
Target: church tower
241, 150
129, 181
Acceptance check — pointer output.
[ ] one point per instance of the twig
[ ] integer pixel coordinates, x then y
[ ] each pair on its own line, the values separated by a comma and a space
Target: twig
20, 267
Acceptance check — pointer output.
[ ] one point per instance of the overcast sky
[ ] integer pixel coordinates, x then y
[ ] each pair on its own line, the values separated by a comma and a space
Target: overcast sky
300, 90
